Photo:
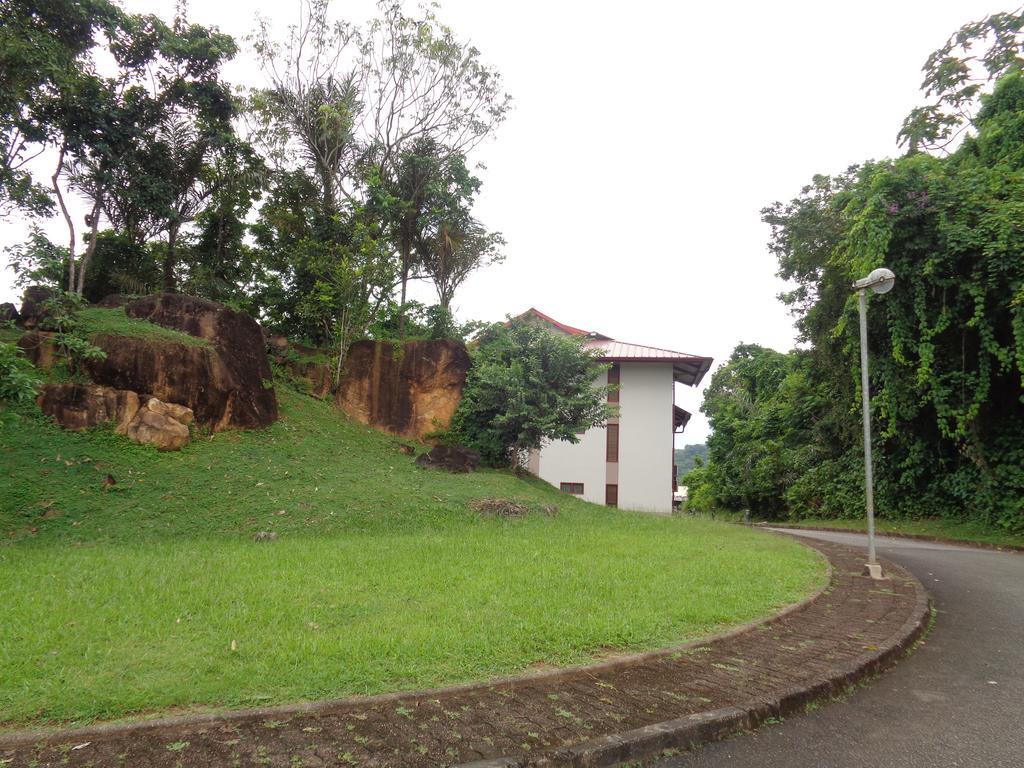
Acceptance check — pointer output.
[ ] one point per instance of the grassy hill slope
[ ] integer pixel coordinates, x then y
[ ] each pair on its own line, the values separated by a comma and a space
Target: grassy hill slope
151, 593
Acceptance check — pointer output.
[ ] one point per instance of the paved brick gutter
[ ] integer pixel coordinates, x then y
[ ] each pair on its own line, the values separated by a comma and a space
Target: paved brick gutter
589, 716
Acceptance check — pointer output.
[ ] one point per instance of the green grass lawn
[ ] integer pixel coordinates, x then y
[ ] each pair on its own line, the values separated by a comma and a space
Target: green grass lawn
152, 595
100, 321
934, 527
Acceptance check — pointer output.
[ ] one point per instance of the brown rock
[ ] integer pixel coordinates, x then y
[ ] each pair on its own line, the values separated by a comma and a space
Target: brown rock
156, 424
33, 313
223, 384
8, 313
115, 300
278, 346
171, 372
179, 413
243, 366
80, 406
410, 392
39, 349
454, 458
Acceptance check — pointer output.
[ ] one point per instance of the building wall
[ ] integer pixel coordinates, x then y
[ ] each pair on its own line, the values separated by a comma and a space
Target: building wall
644, 470
583, 462
645, 437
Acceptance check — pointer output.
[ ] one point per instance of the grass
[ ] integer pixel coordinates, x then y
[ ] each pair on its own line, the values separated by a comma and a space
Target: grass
10, 333
152, 595
933, 527
99, 321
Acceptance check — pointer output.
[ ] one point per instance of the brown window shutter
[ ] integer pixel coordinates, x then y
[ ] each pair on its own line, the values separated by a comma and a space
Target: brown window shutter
613, 442
614, 375
611, 495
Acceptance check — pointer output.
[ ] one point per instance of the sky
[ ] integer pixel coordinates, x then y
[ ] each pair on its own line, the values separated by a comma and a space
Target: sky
644, 140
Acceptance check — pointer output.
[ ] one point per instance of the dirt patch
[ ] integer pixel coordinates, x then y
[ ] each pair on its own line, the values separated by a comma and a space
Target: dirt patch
509, 508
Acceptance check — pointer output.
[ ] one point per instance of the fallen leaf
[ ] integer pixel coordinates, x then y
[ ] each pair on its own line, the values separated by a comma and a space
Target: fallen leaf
82, 745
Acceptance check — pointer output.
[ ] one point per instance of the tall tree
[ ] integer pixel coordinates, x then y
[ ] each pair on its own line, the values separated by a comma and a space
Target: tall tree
377, 112
45, 49
457, 250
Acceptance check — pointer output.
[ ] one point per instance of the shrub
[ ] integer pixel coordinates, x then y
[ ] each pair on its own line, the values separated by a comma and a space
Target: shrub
527, 385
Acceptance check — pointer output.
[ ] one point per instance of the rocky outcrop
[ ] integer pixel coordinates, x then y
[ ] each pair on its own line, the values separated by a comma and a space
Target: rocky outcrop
164, 425
115, 300
454, 458
33, 313
409, 390
196, 376
227, 384
39, 349
308, 365
8, 313
80, 406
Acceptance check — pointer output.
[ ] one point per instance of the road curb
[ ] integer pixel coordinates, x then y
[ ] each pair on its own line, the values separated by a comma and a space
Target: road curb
1015, 548
704, 727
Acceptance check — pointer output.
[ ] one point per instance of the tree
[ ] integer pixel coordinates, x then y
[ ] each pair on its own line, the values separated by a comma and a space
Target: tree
44, 50
327, 274
455, 252
428, 98
427, 211
377, 114
955, 77
527, 385
170, 121
947, 367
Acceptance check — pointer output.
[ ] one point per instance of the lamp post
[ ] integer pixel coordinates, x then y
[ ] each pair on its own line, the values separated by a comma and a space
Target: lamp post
879, 281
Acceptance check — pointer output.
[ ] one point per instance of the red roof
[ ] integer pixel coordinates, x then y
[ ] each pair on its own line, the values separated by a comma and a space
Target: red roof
550, 320
687, 368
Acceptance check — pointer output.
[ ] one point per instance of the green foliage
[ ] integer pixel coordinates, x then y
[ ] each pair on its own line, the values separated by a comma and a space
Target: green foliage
947, 345
62, 316
120, 265
421, 322
37, 261
955, 75
328, 273
528, 385
18, 380
44, 50
690, 456
748, 407
382, 577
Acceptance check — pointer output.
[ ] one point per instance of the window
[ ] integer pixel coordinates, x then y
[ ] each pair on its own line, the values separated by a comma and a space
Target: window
613, 381
611, 495
576, 488
612, 448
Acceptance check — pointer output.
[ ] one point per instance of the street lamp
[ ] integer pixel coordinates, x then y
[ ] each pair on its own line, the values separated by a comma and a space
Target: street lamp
879, 281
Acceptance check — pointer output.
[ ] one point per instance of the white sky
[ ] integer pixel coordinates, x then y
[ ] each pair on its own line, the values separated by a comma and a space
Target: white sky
644, 140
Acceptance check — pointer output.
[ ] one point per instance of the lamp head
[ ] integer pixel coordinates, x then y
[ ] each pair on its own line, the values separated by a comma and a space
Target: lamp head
880, 280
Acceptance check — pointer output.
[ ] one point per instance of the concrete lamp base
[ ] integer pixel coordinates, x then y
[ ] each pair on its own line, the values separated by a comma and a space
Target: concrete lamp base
874, 570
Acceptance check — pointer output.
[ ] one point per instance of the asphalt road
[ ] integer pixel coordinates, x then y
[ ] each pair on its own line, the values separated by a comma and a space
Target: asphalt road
957, 701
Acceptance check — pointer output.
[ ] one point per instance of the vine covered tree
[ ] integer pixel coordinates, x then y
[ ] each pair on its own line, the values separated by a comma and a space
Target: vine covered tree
947, 346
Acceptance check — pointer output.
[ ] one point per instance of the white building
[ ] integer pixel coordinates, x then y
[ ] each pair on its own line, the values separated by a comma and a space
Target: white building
629, 462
